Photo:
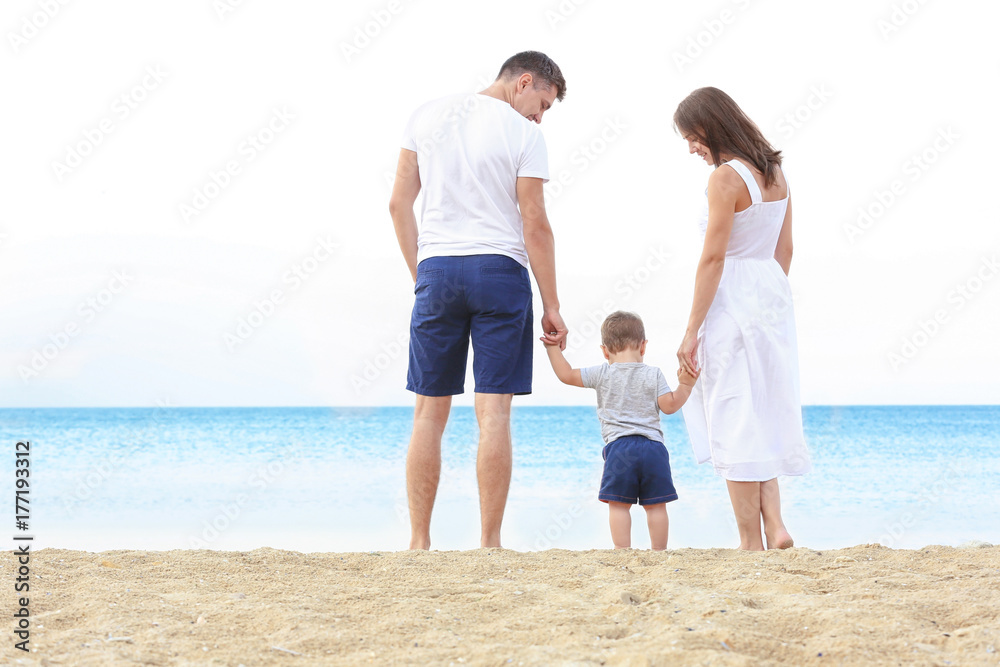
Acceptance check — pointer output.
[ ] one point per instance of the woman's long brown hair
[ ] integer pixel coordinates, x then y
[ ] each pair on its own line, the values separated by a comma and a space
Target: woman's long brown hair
718, 122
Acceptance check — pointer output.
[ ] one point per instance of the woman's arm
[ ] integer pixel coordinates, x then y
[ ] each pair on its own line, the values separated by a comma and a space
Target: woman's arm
783, 251
724, 187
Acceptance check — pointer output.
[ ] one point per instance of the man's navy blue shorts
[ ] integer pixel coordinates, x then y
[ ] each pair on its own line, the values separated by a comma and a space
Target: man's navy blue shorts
485, 297
636, 469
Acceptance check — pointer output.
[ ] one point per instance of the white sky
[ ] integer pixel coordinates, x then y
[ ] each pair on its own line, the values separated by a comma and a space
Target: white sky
334, 122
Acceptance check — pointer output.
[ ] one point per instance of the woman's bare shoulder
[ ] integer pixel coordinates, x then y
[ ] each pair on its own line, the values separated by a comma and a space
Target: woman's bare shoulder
723, 179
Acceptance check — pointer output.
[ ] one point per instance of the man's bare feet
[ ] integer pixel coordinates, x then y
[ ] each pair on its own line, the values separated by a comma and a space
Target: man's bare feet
418, 544
490, 540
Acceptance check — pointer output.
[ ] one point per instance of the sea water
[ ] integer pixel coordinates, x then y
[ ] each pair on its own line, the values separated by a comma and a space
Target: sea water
333, 479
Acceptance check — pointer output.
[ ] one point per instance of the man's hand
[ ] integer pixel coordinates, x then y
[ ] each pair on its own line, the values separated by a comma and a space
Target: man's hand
554, 329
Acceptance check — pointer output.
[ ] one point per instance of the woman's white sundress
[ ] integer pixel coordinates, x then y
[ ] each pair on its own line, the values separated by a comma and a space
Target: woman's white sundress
744, 414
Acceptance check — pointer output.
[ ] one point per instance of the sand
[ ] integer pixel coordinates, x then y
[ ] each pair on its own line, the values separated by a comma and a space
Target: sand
865, 605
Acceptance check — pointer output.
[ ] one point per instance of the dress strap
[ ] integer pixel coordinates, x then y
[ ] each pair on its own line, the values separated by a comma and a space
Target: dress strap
747, 176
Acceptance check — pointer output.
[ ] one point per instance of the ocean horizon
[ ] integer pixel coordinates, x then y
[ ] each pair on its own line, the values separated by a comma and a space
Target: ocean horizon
333, 479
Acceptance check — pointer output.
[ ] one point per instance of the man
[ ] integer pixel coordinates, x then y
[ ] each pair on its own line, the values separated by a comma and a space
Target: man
481, 162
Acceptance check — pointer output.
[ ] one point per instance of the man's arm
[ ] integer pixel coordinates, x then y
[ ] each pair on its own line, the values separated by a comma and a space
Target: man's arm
540, 244
404, 194
565, 373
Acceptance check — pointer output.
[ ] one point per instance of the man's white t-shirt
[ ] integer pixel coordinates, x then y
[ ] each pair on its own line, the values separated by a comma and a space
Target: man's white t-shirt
471, 149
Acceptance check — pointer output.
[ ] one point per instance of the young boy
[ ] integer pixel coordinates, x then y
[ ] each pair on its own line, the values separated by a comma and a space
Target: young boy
630, 395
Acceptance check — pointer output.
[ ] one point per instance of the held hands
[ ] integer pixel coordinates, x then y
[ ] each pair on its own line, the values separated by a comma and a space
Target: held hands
686, 378
687, 354
553, 329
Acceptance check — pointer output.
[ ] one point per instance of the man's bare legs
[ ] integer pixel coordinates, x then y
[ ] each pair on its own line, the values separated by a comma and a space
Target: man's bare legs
659, 524
745, 497
770, 509
493, 463
423, 465
620, 518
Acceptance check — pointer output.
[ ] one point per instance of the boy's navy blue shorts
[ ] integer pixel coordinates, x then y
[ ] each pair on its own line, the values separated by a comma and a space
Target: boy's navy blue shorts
636, 469
483, 297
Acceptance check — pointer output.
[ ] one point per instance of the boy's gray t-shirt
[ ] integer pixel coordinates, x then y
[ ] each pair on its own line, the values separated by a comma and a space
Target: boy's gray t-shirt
626, 398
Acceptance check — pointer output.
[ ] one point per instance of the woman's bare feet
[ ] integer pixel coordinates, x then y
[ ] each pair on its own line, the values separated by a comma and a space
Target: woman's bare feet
780, 540
770, 510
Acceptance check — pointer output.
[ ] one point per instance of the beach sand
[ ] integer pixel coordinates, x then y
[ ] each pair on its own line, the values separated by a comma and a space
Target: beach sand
864, 605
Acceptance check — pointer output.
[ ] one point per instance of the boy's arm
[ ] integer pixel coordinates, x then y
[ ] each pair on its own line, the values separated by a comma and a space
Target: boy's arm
672, 401
566, 373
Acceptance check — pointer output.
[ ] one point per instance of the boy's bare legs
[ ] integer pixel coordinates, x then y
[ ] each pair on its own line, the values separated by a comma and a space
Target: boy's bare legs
745, 497
659, 523
423, 465
621, 524
493, 463
770, 509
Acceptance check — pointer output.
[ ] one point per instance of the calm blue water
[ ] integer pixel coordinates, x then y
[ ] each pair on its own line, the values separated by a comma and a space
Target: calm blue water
319, 479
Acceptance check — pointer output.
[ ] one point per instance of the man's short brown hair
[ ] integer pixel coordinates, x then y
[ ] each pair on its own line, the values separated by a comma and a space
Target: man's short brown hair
542, 69
622, 331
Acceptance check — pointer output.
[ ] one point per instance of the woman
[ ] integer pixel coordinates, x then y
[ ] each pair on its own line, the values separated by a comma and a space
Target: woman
744, 414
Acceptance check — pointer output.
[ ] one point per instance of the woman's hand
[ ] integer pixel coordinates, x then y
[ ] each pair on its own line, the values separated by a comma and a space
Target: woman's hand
686, 354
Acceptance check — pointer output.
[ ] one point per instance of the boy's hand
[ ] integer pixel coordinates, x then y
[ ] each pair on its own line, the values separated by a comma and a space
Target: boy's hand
549, 342
686, 378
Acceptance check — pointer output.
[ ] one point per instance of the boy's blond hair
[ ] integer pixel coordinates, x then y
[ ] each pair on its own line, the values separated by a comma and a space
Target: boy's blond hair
622, 331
